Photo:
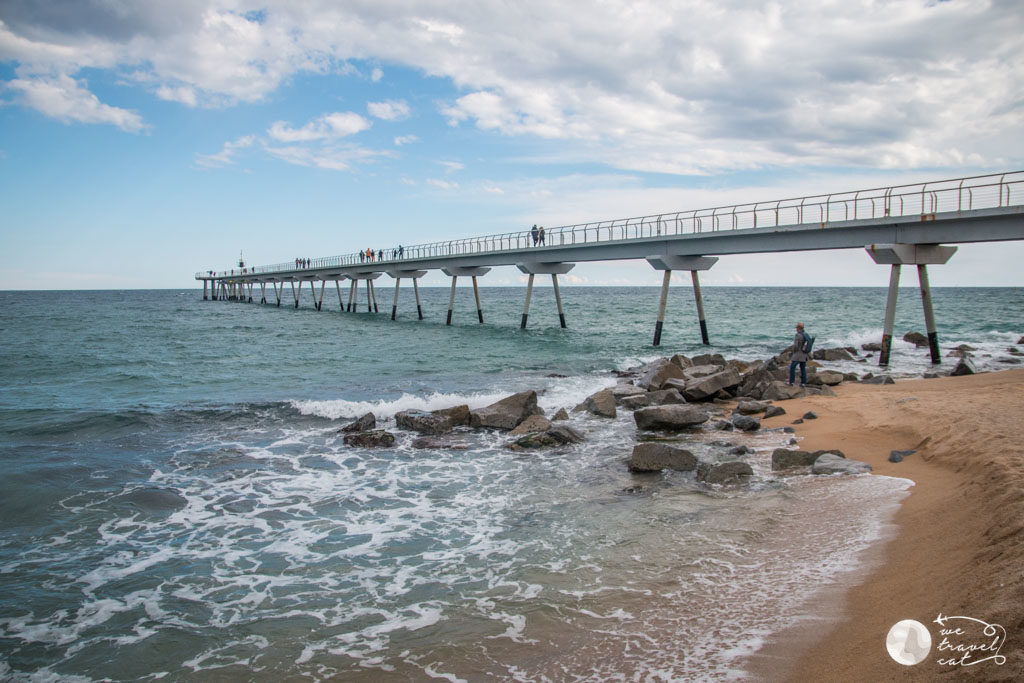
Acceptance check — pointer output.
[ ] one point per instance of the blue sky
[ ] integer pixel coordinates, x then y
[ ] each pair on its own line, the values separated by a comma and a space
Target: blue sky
141, 142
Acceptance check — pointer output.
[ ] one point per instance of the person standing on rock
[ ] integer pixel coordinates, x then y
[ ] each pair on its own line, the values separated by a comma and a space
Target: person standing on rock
799, 356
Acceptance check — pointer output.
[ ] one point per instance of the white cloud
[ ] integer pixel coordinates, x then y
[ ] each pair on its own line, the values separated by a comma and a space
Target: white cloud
226, 156
391, 110
452, 166
330, 158
405, 140
328, 126
442, 184
66, 99
694, 87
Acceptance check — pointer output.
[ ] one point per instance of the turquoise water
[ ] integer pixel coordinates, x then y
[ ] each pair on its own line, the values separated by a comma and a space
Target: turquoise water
176, 500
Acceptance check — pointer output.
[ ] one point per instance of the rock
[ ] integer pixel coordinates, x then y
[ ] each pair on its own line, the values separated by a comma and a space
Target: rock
435, 443
506, 413
654, 457
754, 383
534, 423
423, 422
560, 415
457, 415
682, 361
698, 371
827, 377
916, 338
711, 472
964, 367
601, 404
784, 459
665, 397
871, 346
780, 391
362, 424
558, 435
709, 359
832, 354
878, 379
722, 426
798, 421
634, 402
740, 450
897, 456
376, 438
810, 415
833, 464
774, 411
621, 391
745, 423
1021, 340
670, 417
834, 451
656, 373
752, 407
700, 389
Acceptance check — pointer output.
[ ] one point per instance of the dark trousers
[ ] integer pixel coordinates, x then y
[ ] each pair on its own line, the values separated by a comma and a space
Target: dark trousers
803, 371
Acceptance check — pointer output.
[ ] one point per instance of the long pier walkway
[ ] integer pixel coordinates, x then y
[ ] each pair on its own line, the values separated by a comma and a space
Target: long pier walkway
897, 225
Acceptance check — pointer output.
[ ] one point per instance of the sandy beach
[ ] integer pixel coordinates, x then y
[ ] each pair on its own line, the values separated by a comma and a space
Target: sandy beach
958, 546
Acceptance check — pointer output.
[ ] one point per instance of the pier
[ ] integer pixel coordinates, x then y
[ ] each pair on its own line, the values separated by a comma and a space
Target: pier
896, 226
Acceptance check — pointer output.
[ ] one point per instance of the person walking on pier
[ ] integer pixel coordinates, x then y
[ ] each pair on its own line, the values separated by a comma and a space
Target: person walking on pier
535, 234
799, 356
540, 234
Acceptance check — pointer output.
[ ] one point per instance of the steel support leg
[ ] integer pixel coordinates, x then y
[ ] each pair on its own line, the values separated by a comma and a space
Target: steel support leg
394, 306
526, 306
890, 315
416, 288
929, 316
476, 295
661, 307
700, 308
451, 301
558, 300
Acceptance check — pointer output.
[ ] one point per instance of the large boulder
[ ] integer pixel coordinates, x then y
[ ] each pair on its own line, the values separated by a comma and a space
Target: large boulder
654, 457
878, 379
727, 472
361, 424
964, 367
439, 443
745, 423
670, 417
423, 422
707, 387
698, 371
752, 407
784, 459
781, 391
683, 362
601, 404
377, 438
655, 374
534, 423
871, 346
665, 397
559, 435
621, 391
709, 359
634, 402
916, 338
457, 415
832, 354
829, 463
826, 377
506, 413
774, 411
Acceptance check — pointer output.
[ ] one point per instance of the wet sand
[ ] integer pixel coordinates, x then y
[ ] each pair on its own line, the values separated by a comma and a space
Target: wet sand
958, 542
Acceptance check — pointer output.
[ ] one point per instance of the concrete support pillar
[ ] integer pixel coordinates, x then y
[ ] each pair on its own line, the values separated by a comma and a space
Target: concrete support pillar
263, 293
476, 295
929, 316
296, 294
353, 299
451, 301
700, 308
250, 292
373, 294
320, 302
920, 255
394, 304
416, 289
668, 263
558, 300
890, 315
341, 304
661, 307
526, 306
369, 296
278, 293
205, 286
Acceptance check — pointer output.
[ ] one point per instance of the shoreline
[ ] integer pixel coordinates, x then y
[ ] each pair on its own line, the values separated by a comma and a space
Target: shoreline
958, 537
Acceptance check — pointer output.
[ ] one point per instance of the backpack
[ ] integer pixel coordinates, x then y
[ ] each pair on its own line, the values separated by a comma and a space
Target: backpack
808, 343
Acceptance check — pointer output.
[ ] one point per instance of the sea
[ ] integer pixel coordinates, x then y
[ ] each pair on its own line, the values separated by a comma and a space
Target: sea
177, 503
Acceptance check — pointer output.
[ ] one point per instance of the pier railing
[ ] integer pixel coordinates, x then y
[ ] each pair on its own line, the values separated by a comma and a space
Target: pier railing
898, 201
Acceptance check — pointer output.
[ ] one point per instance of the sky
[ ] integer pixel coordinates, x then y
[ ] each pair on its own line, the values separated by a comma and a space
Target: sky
141, 142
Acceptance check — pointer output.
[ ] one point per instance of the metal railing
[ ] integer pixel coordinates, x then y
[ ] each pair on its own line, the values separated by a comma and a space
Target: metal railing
919, 200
